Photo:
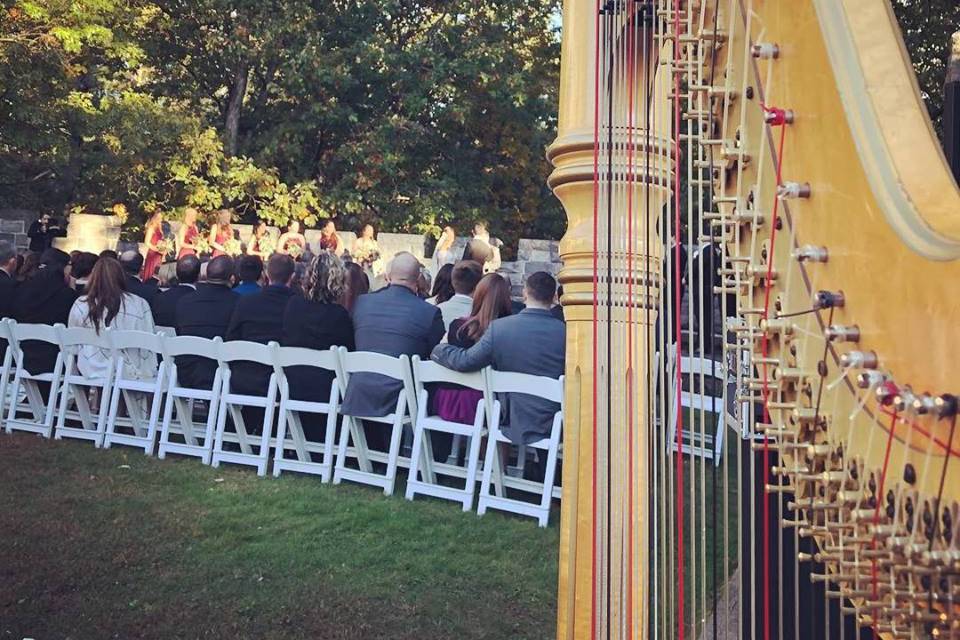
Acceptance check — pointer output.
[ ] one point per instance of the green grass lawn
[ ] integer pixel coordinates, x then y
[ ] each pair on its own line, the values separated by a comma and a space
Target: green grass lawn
113, 544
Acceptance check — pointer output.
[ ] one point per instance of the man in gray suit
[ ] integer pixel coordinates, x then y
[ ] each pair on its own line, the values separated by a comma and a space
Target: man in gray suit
532, 341
394, 321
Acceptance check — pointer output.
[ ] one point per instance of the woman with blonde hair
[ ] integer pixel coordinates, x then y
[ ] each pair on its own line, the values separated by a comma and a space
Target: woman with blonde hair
221, 232
187, 234
443, 254
317, 320
107, 305
152, 237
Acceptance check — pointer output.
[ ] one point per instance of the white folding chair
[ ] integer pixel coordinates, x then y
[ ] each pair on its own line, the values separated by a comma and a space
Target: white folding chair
142, 398
7, 367
43, 414
290, 435
697, 369
403, 414
501, 382
168, 332
252, 453
197, 439
423, 469
79, 389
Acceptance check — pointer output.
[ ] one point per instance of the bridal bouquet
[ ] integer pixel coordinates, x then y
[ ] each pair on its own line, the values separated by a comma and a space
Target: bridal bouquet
165, 247
201, 244
232, 247
267, 245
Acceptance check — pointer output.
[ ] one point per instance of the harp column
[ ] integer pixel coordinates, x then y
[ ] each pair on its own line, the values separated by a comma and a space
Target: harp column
634, 189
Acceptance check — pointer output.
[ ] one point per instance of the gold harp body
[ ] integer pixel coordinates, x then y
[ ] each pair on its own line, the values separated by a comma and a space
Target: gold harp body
858, 432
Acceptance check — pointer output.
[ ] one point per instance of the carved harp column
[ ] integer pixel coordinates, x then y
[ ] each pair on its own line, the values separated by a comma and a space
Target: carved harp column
612, 160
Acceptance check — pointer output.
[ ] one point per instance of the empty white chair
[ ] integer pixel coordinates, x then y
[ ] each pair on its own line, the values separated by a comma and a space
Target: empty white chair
79, 388
6, 367
501, 382
697, 371
253, 452
290, 434
402, 415
142, 397
423, 469
42, 414
197, 440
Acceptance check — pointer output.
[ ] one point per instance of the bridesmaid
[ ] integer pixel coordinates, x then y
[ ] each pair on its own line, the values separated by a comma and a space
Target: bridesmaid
256, 246
443, 253
220, 233
152, 235
291, 236
187, 234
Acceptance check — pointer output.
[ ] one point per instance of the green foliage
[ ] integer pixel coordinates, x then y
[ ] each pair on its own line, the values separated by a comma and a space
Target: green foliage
405, 113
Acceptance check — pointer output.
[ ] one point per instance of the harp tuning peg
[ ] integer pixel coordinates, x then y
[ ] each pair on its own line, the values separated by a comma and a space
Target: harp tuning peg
765, 51
946, 405
924, 404
843, 333
829, 300
870, 379
792, 190
861, 359
811, 253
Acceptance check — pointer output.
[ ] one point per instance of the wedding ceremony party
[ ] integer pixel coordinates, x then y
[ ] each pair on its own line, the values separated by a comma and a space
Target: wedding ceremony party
408, 319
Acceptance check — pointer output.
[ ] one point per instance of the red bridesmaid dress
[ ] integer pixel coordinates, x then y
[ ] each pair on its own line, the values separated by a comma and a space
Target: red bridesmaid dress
224, 233
189, 237
154, 258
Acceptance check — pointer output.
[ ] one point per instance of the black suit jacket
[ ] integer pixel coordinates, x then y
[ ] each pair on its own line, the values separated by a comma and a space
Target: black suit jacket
43, 299
164, 305
396, 322
8, 288
314, 325
146, 290
205, 313
258, 317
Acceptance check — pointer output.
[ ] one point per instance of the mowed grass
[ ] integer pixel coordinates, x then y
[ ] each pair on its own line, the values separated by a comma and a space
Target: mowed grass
113, 544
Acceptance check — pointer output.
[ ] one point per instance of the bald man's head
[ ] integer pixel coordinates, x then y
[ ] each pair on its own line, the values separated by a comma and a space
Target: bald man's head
404, 270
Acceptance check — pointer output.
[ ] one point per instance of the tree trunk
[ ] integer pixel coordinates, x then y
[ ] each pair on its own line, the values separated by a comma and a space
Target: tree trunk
238, 89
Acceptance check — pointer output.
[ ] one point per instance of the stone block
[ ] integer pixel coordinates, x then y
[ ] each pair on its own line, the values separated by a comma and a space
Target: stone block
21, 240
12, 226
9, 237
533, 267
510, 267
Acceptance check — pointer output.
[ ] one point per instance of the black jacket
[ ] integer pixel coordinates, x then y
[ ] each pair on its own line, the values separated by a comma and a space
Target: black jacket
146, 290
258, 317
164, 305
41, 240
314, 325
8, 288
205, 313
43, 299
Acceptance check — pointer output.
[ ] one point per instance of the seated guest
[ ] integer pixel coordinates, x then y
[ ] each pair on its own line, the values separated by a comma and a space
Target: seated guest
107, 305
8, 279
29, 267
206, 313
466, 274
259, 318
249, 271
423, 283
393, 321
132, 263
81, 268
442, 285
358, 283
491, 300
532, 341
109, 253
557, 309
165, 303
44, 299
315, 319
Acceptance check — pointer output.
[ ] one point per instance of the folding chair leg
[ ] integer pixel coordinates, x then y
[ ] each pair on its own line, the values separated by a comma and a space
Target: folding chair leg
152, 425
488, 469
416, 459
548, 478
240, 426
473, 460
455, 447
395, 437
218, 438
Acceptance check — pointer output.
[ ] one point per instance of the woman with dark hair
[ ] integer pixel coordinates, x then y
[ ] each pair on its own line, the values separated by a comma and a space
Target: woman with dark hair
107, 305
152, 236
357, 284
442, 285
491, 300
260, 241
316, 320
28, 266
292, 243
80, 269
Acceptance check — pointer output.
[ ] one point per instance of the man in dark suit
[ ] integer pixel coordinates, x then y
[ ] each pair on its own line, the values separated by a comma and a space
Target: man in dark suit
44, 299
132, 263
205, 313
396, 322
258, 317
164, 304
533, 341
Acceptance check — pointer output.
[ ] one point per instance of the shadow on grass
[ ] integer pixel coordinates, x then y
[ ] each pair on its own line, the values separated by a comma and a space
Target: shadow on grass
100, 544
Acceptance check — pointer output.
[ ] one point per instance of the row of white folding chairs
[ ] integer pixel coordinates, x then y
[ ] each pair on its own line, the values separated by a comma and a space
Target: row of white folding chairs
212, 441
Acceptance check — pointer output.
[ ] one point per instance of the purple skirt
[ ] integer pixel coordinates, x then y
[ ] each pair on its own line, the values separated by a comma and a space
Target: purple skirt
456, 405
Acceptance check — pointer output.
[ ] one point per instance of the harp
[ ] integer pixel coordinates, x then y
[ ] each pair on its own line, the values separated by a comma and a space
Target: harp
759, 215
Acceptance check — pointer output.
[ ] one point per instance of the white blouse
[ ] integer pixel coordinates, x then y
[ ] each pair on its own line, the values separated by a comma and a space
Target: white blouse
134, 315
